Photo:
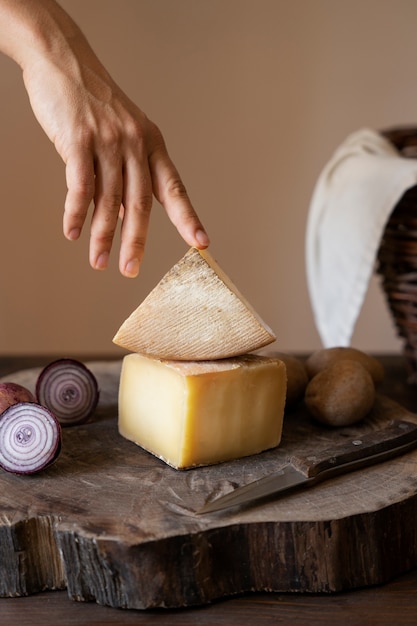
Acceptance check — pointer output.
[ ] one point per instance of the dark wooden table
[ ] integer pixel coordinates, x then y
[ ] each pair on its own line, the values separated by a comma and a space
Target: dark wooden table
394, 603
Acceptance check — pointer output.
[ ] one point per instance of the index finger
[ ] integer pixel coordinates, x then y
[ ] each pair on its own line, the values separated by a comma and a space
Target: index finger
170, 191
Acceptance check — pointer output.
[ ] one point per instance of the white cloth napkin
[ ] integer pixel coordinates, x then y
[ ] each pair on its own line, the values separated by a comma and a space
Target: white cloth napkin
351, 203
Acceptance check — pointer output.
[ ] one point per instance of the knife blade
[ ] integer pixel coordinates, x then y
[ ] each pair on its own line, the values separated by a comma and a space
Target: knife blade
397, 438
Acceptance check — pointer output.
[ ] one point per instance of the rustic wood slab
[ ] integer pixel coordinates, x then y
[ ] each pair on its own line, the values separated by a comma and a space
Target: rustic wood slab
113, 524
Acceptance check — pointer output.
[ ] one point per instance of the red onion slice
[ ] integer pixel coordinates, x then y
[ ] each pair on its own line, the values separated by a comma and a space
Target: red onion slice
30, 438
69, 389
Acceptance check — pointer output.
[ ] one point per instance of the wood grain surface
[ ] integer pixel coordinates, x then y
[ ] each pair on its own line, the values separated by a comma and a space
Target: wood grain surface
112, 524
393, 604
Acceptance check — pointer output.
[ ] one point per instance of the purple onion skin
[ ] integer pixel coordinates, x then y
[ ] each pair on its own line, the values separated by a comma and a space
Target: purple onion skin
69, 389
30, 438
12, 393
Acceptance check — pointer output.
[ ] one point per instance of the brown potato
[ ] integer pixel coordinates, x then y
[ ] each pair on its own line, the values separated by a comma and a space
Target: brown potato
321, 359
340, 395
297, 378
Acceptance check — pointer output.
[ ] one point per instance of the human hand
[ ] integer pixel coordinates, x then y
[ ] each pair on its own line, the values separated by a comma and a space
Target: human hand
115, 157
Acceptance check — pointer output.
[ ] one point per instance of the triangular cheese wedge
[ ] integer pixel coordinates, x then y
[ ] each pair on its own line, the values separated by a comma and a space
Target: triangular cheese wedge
194, 313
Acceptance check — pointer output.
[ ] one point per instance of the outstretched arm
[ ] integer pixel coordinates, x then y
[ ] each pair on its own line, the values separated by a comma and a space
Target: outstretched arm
114, 155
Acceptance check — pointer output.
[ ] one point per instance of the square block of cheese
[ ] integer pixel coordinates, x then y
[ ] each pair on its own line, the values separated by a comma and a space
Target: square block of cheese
191, 413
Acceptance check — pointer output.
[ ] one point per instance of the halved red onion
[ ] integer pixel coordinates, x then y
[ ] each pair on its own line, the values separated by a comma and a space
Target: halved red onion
69, 389
30, 438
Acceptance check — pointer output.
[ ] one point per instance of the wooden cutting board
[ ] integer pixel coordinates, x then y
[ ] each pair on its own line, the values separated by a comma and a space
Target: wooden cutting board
113, 524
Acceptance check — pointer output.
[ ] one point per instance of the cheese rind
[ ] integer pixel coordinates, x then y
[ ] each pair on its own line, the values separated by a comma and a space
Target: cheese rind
195, 313
200, 413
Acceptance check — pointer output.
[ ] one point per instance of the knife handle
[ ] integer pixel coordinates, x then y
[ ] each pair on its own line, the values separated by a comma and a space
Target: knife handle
397, 438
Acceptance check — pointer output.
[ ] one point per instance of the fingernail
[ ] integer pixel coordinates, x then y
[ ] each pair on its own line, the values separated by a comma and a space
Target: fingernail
102, 261
202, 238
132, 268
74, 233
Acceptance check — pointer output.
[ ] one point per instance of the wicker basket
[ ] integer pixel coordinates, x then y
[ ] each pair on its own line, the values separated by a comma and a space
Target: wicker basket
397, 257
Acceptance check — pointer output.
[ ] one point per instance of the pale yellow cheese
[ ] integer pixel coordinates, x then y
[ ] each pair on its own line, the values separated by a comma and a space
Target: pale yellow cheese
201, 413
194, 313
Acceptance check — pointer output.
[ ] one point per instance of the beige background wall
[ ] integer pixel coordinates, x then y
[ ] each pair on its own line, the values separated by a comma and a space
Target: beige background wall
252, 96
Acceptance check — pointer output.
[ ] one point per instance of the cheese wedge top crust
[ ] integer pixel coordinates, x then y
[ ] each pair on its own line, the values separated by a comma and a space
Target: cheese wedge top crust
194, 313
